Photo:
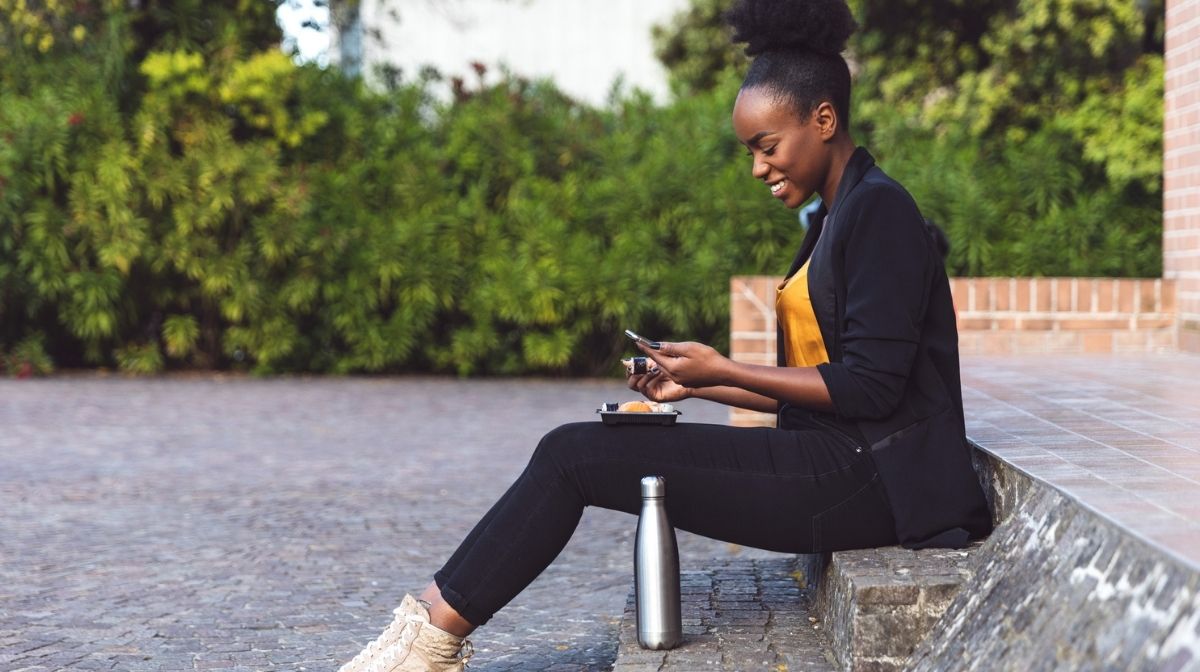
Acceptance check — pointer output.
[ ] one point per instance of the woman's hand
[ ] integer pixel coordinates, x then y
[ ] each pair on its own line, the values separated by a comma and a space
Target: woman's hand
690, 364
657, 387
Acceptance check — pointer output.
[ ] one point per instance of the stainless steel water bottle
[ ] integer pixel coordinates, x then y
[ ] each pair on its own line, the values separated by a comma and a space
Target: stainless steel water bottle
656, 571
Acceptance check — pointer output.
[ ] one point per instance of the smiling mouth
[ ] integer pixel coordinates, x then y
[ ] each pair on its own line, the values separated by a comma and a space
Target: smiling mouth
778, 186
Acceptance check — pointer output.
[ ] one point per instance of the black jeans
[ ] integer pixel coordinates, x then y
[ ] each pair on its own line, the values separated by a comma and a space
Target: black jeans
795, 491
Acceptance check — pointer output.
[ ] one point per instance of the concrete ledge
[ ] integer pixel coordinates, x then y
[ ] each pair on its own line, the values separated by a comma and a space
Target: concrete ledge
1058, 587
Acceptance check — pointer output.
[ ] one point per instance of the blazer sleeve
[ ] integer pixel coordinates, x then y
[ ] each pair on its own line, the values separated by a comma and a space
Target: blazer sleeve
887, 268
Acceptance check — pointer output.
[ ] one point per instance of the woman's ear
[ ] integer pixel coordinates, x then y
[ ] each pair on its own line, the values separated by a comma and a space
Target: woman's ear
826, 120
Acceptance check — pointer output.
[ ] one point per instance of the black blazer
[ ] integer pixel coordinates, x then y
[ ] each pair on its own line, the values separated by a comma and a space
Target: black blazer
882, 300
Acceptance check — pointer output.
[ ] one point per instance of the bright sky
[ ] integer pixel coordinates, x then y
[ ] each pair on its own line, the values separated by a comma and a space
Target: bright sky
310, 44
583, 45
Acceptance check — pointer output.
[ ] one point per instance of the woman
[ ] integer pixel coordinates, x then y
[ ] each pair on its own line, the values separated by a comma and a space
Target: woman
870, 447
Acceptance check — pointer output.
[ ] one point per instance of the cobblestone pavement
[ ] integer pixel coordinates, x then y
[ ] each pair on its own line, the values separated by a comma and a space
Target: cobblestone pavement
224, 523
739, 615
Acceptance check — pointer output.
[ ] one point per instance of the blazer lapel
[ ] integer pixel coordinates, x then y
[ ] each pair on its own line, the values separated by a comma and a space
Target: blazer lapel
809, 242
860, 162
857, 166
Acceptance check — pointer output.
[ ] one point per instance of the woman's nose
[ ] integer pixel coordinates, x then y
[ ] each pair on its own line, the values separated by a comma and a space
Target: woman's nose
759, 169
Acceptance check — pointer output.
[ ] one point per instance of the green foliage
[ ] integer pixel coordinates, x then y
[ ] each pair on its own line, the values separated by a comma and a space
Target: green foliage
695, 47
180, 333
1020, 208
140, 359
181, 198
262, 89
27, 358
231, 209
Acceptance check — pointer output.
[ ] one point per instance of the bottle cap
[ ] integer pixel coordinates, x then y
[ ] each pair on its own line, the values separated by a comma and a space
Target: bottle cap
654, 486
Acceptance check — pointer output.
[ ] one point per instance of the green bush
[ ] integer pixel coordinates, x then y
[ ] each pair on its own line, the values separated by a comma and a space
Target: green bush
222, 207
27, 358
173, 198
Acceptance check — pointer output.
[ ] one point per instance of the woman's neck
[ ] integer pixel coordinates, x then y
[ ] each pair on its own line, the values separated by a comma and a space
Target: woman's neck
842, 148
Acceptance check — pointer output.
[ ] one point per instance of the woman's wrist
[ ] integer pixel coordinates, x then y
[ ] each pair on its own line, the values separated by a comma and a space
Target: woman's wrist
730, 376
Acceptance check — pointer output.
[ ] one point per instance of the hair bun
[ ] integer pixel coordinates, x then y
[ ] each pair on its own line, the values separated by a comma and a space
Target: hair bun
821, 26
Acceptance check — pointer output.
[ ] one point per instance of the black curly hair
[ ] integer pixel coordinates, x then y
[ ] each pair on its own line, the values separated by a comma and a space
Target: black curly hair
797, 47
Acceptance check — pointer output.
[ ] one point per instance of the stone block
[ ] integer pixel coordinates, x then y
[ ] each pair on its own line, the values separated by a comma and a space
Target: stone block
879, 604
885, 590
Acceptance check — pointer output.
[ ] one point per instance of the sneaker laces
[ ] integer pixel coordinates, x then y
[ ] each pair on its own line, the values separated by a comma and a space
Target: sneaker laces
412, 627
403, 644
396, 652
466, 652
409, 634
373, 648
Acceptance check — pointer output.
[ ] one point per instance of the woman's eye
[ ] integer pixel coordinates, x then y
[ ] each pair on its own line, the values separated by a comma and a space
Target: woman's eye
769, 152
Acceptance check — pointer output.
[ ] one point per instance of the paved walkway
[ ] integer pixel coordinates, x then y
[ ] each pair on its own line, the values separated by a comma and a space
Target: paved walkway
739, 615
1118, 433
236, 524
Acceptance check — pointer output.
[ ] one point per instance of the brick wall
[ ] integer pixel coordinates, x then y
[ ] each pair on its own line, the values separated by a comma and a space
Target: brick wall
1064, 315
999, 316
1181, 168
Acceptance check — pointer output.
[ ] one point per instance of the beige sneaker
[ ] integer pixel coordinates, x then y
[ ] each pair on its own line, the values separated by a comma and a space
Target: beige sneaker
423, 648
391, 635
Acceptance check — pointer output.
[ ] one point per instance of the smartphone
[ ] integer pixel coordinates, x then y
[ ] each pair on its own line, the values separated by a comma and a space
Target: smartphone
653, 345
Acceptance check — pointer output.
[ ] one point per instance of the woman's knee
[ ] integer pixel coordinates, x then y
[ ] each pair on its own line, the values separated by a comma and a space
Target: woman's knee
563, 446
561, 438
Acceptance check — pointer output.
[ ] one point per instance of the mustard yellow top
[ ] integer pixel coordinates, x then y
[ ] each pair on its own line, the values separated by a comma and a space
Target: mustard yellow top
802, 342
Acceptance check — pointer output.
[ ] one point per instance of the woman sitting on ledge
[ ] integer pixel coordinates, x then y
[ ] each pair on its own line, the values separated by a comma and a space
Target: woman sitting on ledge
870, 446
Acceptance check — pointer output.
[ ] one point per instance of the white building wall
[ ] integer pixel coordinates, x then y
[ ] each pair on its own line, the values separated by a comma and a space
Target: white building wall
583, 45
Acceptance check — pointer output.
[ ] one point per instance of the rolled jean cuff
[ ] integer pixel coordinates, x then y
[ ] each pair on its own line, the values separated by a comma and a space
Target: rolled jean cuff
459, 603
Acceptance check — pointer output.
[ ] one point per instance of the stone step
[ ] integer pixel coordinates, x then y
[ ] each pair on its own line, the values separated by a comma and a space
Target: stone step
877, 605
738, 615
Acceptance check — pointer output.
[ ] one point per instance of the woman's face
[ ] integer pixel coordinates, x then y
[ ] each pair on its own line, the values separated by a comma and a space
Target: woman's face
790, 156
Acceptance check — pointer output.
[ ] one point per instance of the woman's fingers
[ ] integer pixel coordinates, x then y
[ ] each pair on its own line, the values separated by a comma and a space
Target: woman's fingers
648, 380
661, 355
687, 363
670, 357
635, 380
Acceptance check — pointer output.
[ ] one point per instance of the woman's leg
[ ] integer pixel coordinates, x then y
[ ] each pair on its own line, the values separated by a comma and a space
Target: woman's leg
792, 491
